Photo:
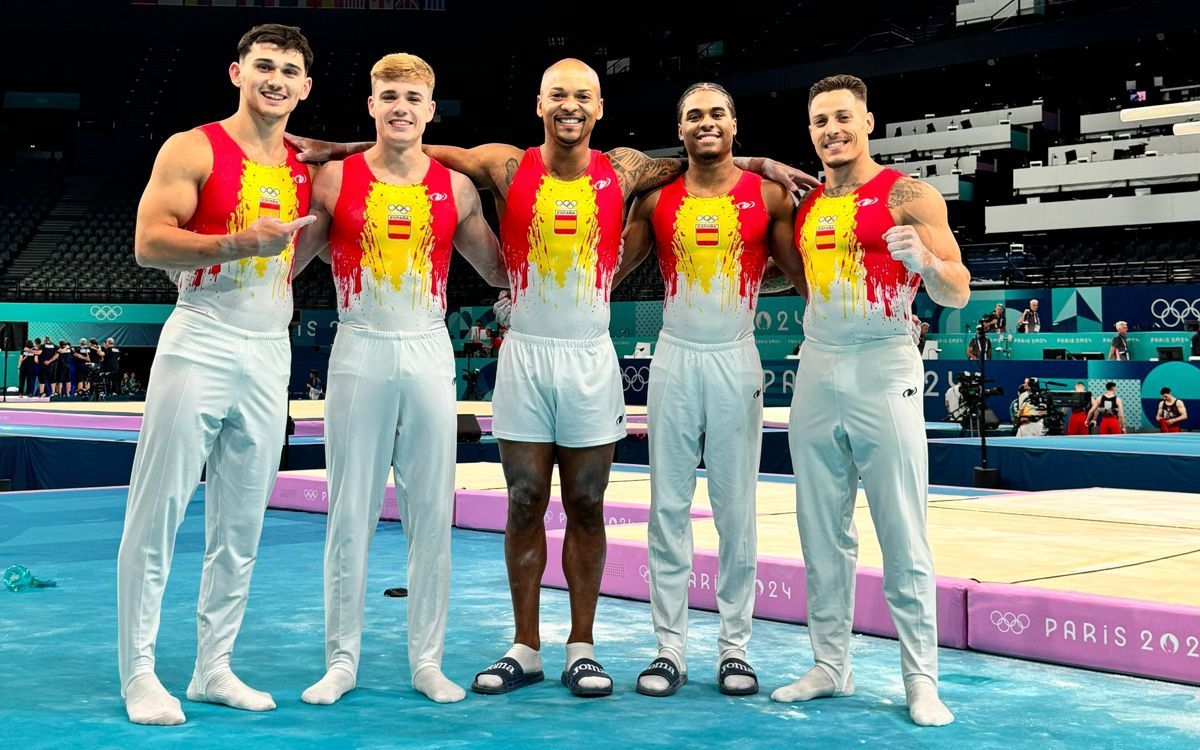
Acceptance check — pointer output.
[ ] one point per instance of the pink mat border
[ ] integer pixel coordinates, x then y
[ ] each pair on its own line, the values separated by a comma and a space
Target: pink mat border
1133, 637
779, 589
1145, 639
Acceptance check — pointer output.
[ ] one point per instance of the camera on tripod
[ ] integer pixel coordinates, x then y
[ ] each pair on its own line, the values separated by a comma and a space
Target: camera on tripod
972, 388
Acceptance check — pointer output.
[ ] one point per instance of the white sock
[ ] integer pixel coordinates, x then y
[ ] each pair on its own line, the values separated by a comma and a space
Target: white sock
329, 689
224, 687
148, 702
925, 708
577, 651
655, 684
735, 681
430, 681
530, 661
816, 683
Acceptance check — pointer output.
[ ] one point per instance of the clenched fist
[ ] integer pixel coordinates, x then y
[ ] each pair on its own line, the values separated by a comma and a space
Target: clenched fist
905, 245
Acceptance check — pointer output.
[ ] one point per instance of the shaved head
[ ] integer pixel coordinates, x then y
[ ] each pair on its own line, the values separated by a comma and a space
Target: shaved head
569, 69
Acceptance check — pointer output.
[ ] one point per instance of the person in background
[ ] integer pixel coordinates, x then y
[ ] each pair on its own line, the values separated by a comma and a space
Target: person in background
1171, 412
316, 389
973, 348
995, 322
48, 354
82, 356
1030, 322
62, 384
922, 339
1077, 423
1029, 418
25, 366
1110, 410
1120, 344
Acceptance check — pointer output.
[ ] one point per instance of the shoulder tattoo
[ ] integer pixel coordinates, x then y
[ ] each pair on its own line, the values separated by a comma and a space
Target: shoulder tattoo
905, 191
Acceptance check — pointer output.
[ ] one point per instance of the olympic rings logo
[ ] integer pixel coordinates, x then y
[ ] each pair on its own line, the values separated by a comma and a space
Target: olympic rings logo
708, 219
644, 572
566, 204
106, 312
269, 191
399, 209
310, 495
1007, 622
1174, 312
636, 378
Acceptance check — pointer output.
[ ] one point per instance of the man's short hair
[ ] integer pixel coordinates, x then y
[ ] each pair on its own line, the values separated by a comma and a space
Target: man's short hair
401, 66
1109, 386
1164, 391
704, 86
850, 83
1080, 382
1120, 323
277, 35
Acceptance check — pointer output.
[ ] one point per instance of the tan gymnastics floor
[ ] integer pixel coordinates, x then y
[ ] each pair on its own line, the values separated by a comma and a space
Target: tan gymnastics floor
632, 486
298, 409
1122, 543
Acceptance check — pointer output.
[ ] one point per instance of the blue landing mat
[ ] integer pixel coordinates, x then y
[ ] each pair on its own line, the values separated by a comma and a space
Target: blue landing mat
57, 648
1169, 462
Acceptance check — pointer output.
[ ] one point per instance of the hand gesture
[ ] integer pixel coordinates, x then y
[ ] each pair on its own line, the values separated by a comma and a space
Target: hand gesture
797, 183
269, 236
906, 246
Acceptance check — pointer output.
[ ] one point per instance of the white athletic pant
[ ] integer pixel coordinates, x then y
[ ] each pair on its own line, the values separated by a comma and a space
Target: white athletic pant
391, 404
703, 400
217, 397
858, 410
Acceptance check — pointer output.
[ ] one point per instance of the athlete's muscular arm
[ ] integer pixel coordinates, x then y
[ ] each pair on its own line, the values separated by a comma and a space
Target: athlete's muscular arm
788, 265
313, 242
923, 242
638, 237
490, 166
793, 180
171, 197
313, 151
473, 237
638, 172
1182, 413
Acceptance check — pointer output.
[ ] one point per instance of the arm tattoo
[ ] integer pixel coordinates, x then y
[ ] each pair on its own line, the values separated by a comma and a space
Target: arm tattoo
510, 171
842, 191
905, 191
638, 172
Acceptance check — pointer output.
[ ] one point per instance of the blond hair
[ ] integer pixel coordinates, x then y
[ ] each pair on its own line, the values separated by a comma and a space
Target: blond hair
401, 66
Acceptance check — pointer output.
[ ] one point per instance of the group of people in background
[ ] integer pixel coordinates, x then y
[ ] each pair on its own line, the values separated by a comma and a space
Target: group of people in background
1104, 413
49, 368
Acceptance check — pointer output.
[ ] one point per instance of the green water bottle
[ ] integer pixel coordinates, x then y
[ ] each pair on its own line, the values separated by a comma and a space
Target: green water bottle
18, 578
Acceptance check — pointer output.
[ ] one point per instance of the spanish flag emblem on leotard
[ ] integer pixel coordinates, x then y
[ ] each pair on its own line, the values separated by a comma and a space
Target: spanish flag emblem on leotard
268, 202
566, 218
707, 231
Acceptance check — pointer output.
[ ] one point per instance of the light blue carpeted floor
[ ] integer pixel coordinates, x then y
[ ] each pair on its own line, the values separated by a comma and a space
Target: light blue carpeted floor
58, 671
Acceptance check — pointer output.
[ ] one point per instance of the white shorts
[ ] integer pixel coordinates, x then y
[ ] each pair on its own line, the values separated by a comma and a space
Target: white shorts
560, 391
